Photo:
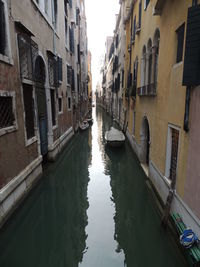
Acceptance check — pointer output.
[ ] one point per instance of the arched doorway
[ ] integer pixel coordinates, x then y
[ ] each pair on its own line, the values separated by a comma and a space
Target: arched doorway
40, 78
145, 141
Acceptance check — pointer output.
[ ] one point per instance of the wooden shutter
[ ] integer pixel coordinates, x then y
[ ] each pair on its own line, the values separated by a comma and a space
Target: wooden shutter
191, 72
60, 74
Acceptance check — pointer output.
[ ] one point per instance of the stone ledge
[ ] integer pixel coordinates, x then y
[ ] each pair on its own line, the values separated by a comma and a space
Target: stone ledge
16, 181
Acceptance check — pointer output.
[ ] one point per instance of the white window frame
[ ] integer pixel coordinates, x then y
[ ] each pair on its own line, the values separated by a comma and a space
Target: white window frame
14, 127
7, 58
168, 151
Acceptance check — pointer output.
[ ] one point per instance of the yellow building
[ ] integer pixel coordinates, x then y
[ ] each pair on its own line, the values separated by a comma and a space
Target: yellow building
155, 99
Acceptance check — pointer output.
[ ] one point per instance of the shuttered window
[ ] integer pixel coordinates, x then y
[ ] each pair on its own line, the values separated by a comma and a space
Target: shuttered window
29, 110
180, 42
2, 29
191, 73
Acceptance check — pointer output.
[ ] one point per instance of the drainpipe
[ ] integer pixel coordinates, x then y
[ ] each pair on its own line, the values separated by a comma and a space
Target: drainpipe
54, 25
187, 109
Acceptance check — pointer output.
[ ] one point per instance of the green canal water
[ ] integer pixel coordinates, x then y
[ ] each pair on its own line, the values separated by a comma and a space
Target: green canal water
90, 209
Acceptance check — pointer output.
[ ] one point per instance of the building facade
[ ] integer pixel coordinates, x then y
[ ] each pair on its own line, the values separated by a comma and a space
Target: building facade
160, 97
39, 87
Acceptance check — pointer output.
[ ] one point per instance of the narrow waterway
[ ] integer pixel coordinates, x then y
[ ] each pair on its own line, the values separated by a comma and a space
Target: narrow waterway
90, 209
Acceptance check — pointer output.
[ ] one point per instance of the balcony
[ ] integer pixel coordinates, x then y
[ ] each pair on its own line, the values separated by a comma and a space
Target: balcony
147, 90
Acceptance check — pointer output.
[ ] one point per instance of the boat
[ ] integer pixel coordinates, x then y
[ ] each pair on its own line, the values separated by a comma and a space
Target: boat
84, 125
114, 137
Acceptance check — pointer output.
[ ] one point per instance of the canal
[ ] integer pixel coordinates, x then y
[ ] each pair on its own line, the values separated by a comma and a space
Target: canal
90, 209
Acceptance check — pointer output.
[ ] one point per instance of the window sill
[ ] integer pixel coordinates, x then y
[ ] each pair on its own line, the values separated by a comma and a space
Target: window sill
8, 130
6, 59
55, 127
60, 113
167, 181
176, 65
31, 141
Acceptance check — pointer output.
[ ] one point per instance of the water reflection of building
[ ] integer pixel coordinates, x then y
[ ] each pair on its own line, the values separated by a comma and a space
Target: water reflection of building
50, 229
137, 225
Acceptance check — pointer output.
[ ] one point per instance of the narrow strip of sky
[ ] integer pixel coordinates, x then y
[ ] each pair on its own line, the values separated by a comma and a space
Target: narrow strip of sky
101, 22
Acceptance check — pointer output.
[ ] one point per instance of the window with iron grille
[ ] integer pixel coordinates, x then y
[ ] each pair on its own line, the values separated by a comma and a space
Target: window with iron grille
25, 56
51, 69
53, 108
174, 153
7, 117
180, 41
29, 110
2, 29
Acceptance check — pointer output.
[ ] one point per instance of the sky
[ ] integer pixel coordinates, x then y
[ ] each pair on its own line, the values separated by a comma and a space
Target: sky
100, 24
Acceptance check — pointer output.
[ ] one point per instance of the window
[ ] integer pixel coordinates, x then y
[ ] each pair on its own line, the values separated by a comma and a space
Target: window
134, 28
172, 153
66, 32
65, 7
69, 74
2, 29
70, 3
73, 81
143, 67
156, 55
29, 110
55, 12
140, 14
77, 16
146, 3
149, 62
180, 41
60, 105
53, 108
69, 102
71, 39
7, 118
52, 69
5, 50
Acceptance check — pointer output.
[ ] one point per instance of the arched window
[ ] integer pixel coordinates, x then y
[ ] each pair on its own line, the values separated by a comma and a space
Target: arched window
156, 43
149, 62
143, 67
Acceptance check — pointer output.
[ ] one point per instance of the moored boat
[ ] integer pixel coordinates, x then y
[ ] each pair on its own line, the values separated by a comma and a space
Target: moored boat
114, 137
90, 120
84, 125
